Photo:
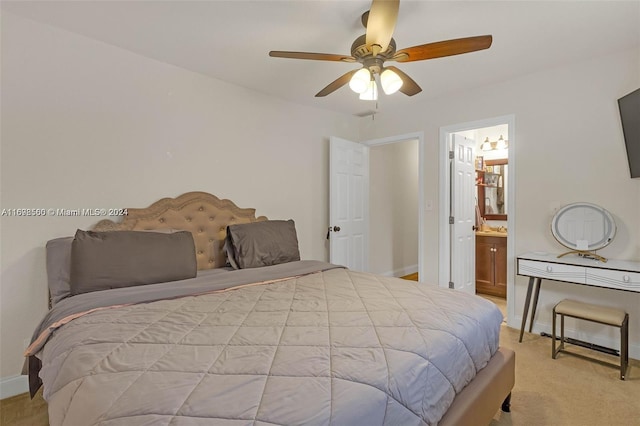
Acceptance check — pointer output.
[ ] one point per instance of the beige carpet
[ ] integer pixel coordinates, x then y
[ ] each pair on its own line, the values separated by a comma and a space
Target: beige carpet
568, 390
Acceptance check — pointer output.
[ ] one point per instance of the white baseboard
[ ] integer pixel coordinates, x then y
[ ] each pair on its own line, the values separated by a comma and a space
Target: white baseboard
401, 272
13, 385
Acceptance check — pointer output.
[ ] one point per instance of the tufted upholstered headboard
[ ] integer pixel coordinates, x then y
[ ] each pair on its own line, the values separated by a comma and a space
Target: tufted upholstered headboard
204, 215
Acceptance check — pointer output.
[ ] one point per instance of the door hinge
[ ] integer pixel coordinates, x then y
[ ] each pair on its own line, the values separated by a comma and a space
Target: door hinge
451, 156
451, 220
451, 285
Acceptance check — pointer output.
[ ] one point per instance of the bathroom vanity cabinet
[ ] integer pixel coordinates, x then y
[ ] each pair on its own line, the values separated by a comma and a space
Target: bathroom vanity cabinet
491, 265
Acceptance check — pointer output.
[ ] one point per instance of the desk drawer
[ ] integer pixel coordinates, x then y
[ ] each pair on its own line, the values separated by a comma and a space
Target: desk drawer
609, 278
552, 271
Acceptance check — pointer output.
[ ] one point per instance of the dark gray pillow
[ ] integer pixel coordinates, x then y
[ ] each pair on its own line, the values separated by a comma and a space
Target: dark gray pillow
264, 243
228, 250
58, 252
115, 259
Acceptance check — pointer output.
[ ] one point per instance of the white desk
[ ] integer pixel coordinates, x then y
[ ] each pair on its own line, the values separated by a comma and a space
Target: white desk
614, 274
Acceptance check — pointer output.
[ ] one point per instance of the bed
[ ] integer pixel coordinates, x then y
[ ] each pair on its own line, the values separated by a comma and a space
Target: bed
230, 327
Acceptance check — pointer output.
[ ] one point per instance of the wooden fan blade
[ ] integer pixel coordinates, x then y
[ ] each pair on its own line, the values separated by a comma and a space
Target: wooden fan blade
336, 84
381, 23
409, 87
311, 56
443, 48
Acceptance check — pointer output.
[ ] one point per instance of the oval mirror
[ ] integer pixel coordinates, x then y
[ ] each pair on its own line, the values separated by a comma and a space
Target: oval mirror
583, 227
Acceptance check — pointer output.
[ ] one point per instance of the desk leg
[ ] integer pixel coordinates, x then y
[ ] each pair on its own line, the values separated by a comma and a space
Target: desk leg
527, 302
535, 302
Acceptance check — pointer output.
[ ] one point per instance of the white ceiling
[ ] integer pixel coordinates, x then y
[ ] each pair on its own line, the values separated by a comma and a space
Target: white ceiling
230, 40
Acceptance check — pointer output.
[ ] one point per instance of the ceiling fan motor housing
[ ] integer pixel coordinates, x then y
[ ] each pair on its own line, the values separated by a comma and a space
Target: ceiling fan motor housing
364, 55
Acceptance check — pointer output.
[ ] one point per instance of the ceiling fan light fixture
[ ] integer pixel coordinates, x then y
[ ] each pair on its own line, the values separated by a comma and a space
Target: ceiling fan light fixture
371, 94
390, 81
359, 83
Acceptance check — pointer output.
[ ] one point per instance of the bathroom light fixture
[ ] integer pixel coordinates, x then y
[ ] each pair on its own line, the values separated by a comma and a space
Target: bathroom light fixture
501, 143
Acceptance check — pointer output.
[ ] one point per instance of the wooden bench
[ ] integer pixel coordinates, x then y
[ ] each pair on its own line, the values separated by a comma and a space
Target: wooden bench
595, 313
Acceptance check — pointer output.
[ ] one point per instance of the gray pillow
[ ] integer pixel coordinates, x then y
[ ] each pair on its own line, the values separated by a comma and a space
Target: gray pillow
264, 243
115, 259
58, 268
228, 250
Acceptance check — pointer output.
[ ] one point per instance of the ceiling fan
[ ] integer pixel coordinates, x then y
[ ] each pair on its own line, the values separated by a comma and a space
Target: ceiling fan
376, 46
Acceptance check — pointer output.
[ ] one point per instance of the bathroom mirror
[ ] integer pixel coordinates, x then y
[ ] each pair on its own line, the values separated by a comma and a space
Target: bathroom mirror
583, 228
492, 191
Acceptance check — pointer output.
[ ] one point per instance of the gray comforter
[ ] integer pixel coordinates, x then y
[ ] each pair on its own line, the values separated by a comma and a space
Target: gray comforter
328, 347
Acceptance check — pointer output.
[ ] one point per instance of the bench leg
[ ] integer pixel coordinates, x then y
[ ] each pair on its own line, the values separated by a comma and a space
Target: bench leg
555, 350
506, 405
561, 346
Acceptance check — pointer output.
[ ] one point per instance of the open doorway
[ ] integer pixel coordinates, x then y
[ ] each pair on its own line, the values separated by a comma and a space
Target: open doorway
496, 207
399, 159
393, 208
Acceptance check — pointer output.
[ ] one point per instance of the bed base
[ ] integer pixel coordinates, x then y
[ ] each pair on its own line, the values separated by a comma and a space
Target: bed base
478, 403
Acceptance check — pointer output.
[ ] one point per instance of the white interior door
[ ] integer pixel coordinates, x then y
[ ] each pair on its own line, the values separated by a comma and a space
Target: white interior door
349, 204
463, 242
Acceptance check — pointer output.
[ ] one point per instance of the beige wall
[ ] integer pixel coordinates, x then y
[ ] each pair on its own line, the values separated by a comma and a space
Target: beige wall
393, 208
568, 148
88, 125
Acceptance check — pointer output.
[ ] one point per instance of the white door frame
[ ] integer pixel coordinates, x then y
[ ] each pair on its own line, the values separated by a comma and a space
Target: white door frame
445, 198
421, 206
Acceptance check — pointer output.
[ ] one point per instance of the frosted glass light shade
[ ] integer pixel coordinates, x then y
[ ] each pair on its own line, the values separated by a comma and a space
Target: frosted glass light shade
390, 81
501, 144
359, 83
486, 145
371, 94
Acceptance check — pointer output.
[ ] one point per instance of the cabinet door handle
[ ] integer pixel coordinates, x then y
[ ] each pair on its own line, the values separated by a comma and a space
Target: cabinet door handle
626, 278
549, 269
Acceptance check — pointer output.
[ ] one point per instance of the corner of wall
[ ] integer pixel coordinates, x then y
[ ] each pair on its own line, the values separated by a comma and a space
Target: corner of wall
13, 385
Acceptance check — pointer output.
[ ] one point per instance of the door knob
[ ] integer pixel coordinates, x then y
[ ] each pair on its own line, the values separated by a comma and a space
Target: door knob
334, 229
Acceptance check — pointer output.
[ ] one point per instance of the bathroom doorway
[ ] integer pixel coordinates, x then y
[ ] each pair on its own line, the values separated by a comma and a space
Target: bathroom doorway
488, 130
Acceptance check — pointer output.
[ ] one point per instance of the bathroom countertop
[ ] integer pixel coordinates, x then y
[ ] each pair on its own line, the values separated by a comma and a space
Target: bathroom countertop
492, 233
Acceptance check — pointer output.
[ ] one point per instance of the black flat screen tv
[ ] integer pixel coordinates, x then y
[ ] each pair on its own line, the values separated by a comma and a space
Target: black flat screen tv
629, 106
